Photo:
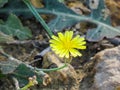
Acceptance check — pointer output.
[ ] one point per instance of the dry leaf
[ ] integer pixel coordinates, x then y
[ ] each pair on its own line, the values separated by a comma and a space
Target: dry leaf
114, 6
37, 3
78, 7
118, 88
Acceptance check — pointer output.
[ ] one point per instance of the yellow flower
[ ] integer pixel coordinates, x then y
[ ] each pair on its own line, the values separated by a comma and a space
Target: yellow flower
65, 45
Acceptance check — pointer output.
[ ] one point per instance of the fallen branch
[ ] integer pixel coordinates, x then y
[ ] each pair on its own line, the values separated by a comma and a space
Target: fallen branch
25, 42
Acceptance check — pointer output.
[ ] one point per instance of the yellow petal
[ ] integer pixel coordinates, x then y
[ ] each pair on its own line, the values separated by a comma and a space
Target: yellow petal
55, 38
72, 52
75, 39
52, 45
81, 47
57, 51
75, 52
68, 35
54, 42
82, 43
81, 39
77, 42
61, 36
67, 55
65, 52
62, 53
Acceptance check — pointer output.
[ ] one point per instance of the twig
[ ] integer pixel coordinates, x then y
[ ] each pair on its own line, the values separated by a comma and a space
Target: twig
34, 61
44, 51
26, 42
41, 54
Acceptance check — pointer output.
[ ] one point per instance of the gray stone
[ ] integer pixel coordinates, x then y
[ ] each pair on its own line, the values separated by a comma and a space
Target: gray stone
107, 76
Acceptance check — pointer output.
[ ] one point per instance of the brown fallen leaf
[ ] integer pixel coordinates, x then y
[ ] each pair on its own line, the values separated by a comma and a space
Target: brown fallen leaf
37, 3
46, 80
117, 88
114, 7
78, 7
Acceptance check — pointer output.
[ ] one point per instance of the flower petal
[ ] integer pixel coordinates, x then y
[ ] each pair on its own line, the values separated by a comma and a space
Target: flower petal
55, 38
75, 52
61, 36
67, 55
68, 35
81, 47
62, 54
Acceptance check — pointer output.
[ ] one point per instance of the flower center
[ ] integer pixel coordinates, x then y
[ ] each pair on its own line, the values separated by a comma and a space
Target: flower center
67, 45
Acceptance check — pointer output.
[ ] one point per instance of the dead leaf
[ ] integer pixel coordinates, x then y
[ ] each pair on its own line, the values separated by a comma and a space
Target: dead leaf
114, 6
78, 7
118, 88
37, 3
46, 80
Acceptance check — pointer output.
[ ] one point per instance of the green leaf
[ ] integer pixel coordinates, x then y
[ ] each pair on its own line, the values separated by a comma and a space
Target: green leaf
22, 73
99, 13
53, 7
20, 70
61, 1
66, 18
1, 75
62, 13
14, 27
100, 32
2, 2
8, 67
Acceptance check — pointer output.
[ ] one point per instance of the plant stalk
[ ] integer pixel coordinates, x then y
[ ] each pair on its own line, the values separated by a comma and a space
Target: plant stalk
38, 17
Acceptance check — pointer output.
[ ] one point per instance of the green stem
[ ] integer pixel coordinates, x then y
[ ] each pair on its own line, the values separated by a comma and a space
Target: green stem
37, 69
38, 17
52, 69
25, 87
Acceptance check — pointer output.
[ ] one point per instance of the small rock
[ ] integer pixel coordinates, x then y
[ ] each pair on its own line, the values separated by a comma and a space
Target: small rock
107, 75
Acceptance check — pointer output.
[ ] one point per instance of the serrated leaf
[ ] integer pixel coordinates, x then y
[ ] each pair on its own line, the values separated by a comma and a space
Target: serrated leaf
19, 70
100, 13
22, 73
14, 27
66, 17
53, 7
8, 67
98, 8
100, 32
2, 2
59, 9
61, 22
